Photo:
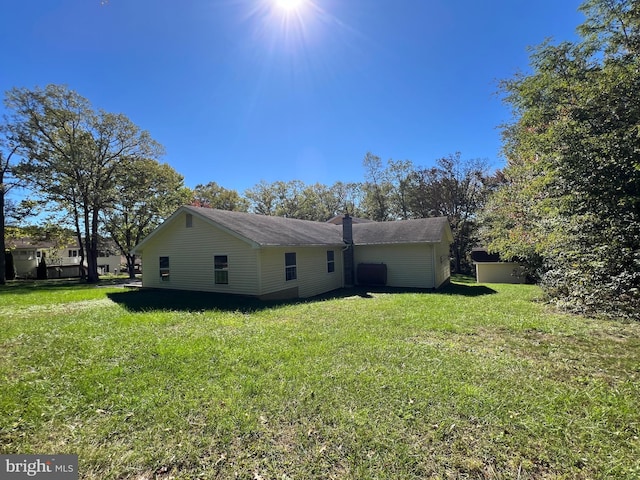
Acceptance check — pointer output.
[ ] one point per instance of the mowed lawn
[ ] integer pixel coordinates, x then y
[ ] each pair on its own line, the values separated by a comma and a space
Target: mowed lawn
476, 381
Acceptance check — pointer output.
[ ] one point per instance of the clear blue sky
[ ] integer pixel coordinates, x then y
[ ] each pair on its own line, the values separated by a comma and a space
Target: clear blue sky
240, 91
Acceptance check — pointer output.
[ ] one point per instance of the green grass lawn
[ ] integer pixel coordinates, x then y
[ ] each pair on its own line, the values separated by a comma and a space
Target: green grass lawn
477, 381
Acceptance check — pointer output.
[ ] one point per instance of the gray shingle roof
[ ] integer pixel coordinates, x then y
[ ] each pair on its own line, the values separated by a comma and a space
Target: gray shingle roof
265, 231
422, 230
272, 231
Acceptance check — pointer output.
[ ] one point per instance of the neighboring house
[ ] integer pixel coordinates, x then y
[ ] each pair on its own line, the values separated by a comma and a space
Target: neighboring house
211, 250
62, 262
27, 255
490, 269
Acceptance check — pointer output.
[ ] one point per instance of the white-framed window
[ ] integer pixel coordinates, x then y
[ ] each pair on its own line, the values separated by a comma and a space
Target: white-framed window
221, 269
290, 266
164, 269
331, 261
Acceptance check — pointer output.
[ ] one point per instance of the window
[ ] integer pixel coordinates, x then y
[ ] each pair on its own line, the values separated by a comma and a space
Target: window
164, 268
189, 223
290, 270
73, 253
221, 269
331, 262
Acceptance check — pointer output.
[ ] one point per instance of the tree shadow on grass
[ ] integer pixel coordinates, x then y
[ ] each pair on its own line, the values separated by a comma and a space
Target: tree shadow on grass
31, 286
143, 300
466, 290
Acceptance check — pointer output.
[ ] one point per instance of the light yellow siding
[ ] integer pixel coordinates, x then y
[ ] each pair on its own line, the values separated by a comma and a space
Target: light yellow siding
442, 263
311, 265
407, 265
191, 251
499, 272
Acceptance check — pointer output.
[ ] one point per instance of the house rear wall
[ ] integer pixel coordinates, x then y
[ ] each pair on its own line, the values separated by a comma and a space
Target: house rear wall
312, 275
191, 251
409, 265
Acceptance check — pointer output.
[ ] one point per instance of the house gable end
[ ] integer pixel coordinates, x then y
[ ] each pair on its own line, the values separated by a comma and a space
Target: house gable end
175, 216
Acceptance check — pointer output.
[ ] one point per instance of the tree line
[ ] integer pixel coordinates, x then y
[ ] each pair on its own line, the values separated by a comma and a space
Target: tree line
569, 204
454, 187
566, 205
100, 174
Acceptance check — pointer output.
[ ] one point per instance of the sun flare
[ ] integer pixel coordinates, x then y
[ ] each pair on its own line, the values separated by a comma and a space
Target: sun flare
289, 5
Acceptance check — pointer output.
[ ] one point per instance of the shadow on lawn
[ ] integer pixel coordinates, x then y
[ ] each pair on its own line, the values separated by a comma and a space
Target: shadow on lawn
31, 286
148, 299
466, 290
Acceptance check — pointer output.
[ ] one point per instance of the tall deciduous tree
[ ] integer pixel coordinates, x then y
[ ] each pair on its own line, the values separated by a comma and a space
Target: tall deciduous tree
262, 198
74, 155
8, 149
145, 194
574, 169
377, 189
212, 195
454, 188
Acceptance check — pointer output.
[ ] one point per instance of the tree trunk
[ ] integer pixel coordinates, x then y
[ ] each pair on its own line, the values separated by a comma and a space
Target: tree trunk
2, 244
92, 249
131, 265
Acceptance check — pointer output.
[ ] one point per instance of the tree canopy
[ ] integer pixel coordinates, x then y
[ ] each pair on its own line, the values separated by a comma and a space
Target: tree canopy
570, 206
75, 155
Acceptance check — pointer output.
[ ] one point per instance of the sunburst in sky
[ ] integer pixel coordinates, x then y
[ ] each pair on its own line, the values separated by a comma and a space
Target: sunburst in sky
289, 5
289, 24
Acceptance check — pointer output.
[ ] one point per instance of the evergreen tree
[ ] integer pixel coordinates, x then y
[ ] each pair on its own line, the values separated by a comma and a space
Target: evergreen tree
9, 266
41, 272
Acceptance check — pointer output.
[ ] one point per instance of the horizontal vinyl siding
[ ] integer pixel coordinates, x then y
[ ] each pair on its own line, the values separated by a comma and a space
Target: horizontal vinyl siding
499, 272
312, 276
191, 251
407, 265
443, 263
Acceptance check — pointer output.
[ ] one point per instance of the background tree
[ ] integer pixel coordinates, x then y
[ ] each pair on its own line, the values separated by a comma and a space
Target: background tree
145, 194
398, 174
321, 202
9, 265
454, 188
41, 270
8, 149
574, 169
212, 195
294, 199
262, 198
377, 189
74, 155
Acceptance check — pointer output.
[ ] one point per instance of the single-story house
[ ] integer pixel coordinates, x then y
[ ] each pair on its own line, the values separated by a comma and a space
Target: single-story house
205, 249
62, 261
491, 269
